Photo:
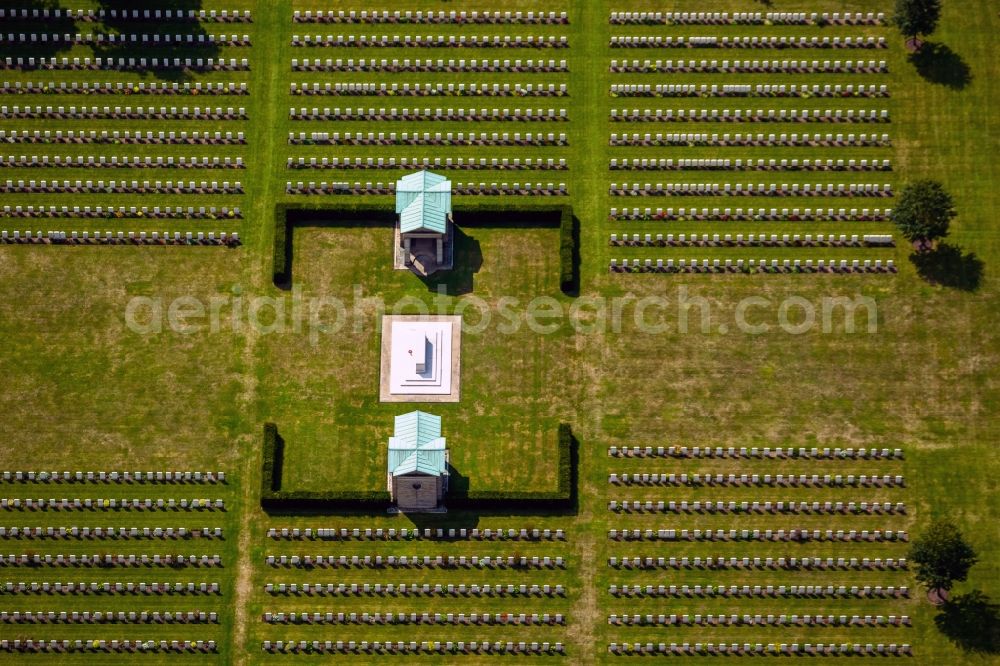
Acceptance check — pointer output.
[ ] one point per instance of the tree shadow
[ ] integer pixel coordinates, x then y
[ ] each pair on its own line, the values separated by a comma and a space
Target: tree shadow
49, 26
948, 266
937, 63
468, 260
174, 26
972, 622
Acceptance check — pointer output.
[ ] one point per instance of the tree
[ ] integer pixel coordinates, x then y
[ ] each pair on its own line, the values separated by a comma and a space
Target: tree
923, 212
915, 18
941, 556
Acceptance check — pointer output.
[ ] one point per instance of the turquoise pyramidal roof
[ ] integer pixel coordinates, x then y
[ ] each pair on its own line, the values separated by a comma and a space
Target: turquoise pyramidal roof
423, 202
417, 445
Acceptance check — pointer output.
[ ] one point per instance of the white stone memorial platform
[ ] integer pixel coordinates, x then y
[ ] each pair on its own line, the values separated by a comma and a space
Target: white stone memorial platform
421, 358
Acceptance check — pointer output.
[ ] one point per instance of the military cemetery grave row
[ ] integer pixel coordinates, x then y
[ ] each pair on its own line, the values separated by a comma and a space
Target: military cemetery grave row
114, 476
109, 617
825, 453
481, 619
122, 88
108, 560
752, 240
747, 90
125, 212
122, 113
430, 17
759, 563
762, 620
135, 137
761, 649
416, 589
480, 189
407, 534
121, 238
413, 647
752, 214
430, 89
106, 647
749, 67
710, 42
76, 533
693, 139
129, 39
747, 18
116, 162
416, 561
426, 139
199, 65
396, 66
759, 591
720, 507
91, 15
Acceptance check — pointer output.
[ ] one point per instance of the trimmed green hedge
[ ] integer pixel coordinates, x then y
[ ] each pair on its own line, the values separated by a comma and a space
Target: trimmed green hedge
569, 252
479, 213
273, 497
563, 497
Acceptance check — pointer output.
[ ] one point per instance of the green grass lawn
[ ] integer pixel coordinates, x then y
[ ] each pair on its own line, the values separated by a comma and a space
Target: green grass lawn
83, 391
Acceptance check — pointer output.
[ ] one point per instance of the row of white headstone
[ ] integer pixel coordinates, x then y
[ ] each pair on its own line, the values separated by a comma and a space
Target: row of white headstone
416, 589
752, 115
415, 561
113, 476
727, 164
761, 620
770, 563
80, 587
109, 617
385, 16
123, 162
413, 647
753, 190
410, 163
427, 138
96, 645
773, 591
814, 453
439, 533
328, 617
74, 532
112, 503
431, 89
752, 66
818, 649
794, 480
726, 507
752, 240
127, 64
747, 18
710, 41
118, 112
122, 560
791, 535
227, 239
746, 90
208, 15
428, 65
753, 214
762, 266
122, 136
434, 41
426, 114
748, 139
113, 39
131, 187
123, 88
480, 189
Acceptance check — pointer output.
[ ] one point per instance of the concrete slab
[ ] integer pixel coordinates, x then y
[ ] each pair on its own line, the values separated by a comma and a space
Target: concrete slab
407, 385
